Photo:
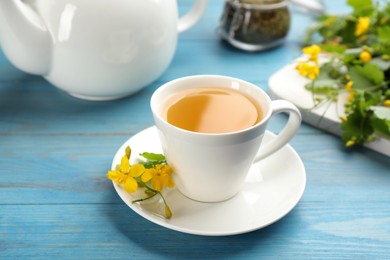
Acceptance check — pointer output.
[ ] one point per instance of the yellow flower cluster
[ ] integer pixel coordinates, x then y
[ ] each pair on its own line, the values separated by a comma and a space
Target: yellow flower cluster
312, 51
153, 179
160, 176
309, 68
362, 26
351, 93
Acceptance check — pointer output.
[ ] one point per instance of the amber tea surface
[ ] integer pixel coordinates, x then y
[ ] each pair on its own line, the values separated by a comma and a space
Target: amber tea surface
211, 110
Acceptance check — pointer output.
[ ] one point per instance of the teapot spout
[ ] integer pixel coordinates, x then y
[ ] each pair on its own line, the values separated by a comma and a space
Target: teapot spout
24, 38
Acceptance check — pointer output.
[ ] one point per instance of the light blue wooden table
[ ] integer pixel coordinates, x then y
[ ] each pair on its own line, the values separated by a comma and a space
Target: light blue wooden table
55, 201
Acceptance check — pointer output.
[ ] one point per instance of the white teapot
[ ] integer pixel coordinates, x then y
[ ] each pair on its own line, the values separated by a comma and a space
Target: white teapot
94, 49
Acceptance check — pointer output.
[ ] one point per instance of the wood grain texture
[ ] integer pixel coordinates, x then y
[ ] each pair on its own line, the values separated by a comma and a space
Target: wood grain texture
55, 201
113, 231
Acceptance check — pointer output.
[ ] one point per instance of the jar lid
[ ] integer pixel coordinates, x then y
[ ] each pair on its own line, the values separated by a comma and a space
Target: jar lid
313, 7
258, 4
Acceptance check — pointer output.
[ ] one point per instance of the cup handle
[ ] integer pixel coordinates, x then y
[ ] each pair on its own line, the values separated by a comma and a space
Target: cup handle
193, 16
289, 130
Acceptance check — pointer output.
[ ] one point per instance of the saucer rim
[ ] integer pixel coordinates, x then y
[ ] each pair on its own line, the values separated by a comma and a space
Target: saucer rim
161, 221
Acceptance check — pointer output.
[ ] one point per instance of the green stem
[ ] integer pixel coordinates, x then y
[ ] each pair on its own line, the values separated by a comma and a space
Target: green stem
165, 202
330, 102
157, 192
142, 184
143, 199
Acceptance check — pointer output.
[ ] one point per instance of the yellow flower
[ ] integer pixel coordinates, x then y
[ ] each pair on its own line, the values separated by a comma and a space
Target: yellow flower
126, 174
160, 176
343, 118
132, 176
350, 143
386, 103
362, 25
313, 52
348, 87
351, 96
308, 70
365, 56
120, 174
136, 170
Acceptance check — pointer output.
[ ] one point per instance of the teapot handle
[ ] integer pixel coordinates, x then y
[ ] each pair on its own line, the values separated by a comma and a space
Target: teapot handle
193, 16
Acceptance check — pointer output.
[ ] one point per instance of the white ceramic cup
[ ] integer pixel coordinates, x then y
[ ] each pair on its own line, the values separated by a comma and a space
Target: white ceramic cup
213, 167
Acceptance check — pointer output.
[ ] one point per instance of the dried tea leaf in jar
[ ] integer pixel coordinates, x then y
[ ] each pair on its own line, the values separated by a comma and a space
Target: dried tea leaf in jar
255, 24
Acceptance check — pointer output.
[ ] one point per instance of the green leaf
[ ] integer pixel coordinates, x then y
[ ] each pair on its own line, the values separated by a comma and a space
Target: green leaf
153, 156
384, 34
372, 72
151, 164
361, 7
152, 159
360, 81
366, 76
333, 48
336, 27
366, 100
381, 112
356, 4
349, 59
358, 125
348, 33
381, 120
356, 128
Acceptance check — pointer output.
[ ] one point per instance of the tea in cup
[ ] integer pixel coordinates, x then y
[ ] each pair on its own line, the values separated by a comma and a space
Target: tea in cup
211, 110
211, 128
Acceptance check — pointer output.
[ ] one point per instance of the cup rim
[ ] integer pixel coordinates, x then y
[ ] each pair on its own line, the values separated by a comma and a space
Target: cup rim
154, 106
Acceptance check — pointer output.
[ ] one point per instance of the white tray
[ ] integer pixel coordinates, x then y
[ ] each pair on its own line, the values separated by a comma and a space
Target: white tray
287, 84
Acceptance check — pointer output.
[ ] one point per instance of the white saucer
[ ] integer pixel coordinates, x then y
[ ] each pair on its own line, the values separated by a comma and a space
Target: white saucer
272, 189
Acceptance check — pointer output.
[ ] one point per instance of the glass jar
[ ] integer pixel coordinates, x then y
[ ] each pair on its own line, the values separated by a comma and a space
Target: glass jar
255, 25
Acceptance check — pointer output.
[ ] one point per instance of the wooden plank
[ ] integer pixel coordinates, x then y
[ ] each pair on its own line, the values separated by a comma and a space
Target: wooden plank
101, 231
37, 108
71, 169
